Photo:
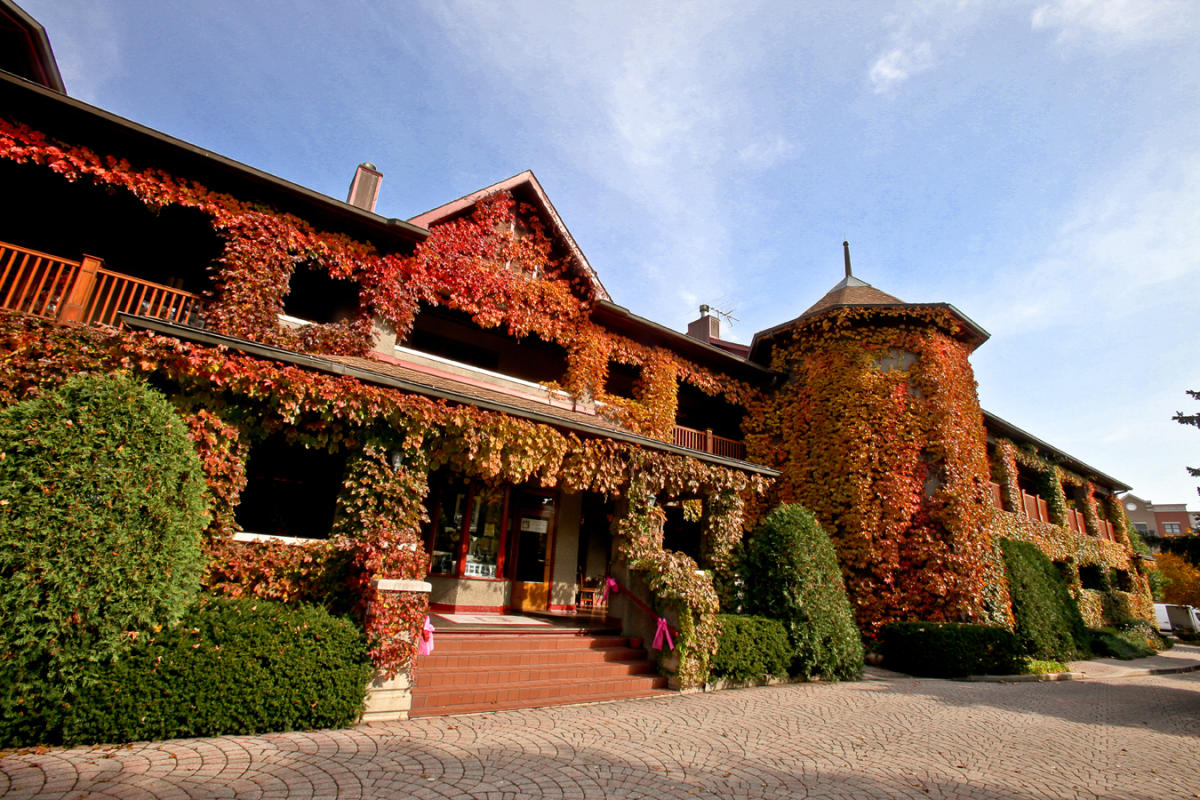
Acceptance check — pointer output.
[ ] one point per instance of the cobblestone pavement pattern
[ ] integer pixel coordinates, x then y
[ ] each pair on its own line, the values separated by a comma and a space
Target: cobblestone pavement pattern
1132, 738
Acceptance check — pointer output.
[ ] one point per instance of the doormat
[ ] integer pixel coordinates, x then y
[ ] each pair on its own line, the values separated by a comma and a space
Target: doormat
493, 619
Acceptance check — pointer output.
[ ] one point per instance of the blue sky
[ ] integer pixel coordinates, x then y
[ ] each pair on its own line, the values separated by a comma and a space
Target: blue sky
1037, 164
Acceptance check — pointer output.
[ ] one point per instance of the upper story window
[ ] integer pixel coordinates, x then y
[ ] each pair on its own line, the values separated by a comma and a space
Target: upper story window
896, 361
1172, 529
452, 335
316, 296
622, 380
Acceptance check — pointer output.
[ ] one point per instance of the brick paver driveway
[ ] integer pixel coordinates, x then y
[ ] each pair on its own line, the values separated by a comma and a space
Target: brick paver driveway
1130, 738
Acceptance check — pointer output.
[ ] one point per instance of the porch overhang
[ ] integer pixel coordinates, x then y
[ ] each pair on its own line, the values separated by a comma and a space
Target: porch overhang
332, 367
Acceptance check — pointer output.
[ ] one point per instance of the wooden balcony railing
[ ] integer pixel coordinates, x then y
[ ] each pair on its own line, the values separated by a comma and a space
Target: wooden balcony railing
707, 442
34, 283
115, 293
55, 288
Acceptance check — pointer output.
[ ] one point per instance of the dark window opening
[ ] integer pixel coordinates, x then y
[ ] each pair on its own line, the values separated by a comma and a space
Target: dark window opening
453, 335
1028, 482
290, 490
1092, 577
1121, 580
680, 534
315, 296
172, 246
700, 411
454, 349
595, 538
621, 380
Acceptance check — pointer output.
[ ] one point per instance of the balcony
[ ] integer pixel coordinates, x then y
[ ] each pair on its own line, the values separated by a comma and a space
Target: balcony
61, 290
706, 442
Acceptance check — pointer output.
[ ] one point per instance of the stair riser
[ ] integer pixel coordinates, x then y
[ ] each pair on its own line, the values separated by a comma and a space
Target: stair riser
431, 679
526, 697
442, 661
464, 643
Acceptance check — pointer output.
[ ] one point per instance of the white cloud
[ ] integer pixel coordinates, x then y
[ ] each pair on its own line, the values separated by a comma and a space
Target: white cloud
921, 34
1114, 22
767, 152
1131, 239
899, 64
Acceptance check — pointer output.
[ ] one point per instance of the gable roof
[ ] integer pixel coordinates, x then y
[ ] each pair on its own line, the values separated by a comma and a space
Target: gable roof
25, 49
525, 183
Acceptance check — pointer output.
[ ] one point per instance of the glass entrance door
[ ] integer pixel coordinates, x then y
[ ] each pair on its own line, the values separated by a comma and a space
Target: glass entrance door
531, 534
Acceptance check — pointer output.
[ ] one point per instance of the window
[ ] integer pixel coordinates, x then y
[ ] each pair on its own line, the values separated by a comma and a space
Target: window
468, 531
290, 490
1141, 527
1092, 577
316, 296
1171, 529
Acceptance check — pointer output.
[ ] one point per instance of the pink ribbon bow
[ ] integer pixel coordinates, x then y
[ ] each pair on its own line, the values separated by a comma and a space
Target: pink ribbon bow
425, 646
663, 632
610, 585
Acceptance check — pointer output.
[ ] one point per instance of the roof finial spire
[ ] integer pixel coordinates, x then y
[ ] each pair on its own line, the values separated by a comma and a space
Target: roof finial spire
846, 251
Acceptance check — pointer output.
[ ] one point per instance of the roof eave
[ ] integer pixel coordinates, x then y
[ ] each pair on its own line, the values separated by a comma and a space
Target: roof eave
976, 334
339, 368
16, 88
1011, 431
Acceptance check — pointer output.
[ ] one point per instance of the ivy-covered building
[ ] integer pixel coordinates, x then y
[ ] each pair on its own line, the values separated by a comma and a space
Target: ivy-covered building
449, 414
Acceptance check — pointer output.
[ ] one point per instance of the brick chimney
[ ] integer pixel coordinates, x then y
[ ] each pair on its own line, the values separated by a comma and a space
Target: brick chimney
364, 189
707, 328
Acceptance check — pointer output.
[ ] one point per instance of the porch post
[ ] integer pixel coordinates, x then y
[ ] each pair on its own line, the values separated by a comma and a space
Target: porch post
81, 290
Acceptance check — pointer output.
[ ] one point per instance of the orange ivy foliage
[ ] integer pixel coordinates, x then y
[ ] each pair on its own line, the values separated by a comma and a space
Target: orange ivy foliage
229, 398
878, 431
495, 264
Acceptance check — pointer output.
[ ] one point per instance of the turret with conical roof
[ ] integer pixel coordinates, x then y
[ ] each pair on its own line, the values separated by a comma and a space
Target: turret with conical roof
876, 427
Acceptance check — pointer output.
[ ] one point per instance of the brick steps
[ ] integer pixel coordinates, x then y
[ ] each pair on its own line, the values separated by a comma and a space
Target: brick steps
470, 672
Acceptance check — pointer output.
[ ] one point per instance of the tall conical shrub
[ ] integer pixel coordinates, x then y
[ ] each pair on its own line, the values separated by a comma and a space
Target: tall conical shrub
792, 575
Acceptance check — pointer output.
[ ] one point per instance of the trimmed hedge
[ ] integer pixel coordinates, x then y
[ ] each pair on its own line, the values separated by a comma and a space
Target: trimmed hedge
750, 648
792, 575
232, 666
102, 503
1128, 641
1048, 623
949, 649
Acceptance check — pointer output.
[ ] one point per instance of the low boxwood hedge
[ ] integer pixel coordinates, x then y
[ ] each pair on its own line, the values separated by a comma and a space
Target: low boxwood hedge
232, 666
750, 648
949, 649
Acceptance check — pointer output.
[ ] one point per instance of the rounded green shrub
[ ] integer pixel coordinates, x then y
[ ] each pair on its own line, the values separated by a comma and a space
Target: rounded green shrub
1048, 623
231, 666
750, 648
949, 649
792, 575
102, 502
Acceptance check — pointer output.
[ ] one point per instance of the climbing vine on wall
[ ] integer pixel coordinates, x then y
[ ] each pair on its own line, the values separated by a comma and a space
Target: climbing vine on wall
394, 440
878, 431
496, 264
